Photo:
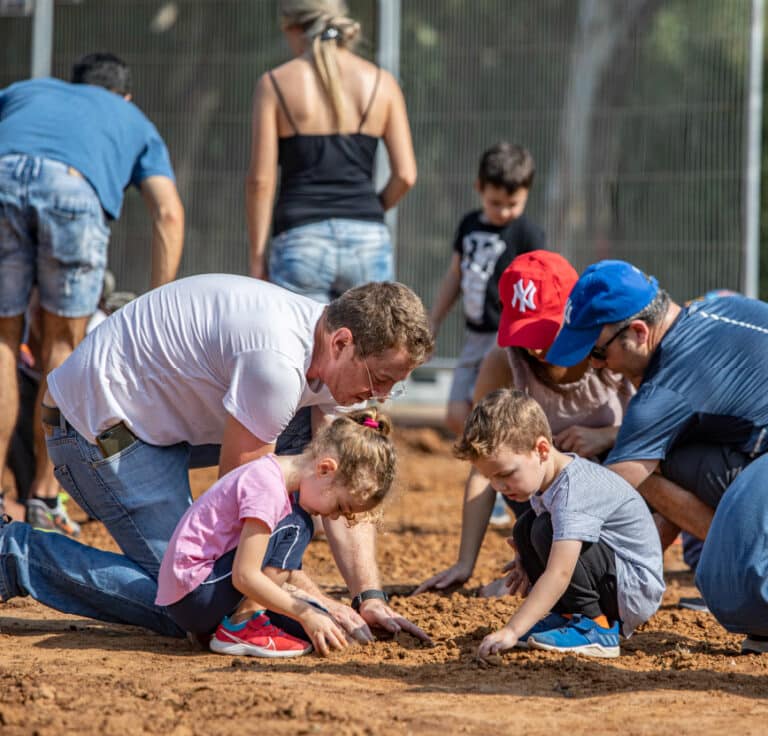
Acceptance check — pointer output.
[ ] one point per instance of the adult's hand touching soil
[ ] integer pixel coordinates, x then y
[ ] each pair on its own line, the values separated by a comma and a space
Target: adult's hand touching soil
377, 613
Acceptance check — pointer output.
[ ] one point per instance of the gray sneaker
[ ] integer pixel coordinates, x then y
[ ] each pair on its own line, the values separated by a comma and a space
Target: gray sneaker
754, 644
41, 517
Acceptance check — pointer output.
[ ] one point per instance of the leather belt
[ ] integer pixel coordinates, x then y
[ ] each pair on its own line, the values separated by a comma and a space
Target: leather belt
50, 416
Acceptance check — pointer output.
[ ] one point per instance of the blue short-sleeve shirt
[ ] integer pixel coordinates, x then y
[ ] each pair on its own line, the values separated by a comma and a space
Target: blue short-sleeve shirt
99, 133
707, 381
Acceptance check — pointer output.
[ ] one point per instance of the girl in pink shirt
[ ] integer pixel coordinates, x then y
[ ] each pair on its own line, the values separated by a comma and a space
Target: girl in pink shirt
219, 562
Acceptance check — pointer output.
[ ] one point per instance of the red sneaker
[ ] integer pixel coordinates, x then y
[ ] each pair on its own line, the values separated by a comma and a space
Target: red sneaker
258, 637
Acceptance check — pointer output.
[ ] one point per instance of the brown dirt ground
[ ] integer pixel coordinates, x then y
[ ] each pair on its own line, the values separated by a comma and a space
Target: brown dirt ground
682, 673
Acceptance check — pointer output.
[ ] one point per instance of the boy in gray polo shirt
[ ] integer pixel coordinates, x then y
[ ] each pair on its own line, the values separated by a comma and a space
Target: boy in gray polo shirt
589, 560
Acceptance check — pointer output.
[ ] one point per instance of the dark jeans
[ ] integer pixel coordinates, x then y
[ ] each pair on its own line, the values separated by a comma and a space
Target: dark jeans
705, 470
592, 590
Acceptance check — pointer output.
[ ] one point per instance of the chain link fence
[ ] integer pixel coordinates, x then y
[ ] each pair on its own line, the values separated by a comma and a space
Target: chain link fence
633, 109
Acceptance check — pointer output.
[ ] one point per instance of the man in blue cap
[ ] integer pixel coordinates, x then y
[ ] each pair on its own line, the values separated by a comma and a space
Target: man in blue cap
700, 416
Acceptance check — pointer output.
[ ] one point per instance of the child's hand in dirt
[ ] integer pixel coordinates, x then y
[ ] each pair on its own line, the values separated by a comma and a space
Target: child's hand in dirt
324, 632
496, 642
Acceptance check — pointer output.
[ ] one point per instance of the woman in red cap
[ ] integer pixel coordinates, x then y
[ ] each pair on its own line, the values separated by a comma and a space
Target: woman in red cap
584, 406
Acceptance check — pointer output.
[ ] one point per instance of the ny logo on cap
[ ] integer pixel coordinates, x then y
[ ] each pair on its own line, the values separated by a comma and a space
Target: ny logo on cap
567, 313
523, 295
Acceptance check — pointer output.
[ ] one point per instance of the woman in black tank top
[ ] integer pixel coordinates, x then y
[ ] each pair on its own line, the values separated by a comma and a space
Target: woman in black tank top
319, 118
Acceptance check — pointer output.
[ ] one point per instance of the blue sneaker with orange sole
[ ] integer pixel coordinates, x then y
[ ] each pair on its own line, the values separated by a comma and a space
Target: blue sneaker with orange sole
549, 622
580, 635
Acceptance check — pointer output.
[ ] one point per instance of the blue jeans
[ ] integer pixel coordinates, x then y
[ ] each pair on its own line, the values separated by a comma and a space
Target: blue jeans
732, 573
53, 233
324, 259
139, 494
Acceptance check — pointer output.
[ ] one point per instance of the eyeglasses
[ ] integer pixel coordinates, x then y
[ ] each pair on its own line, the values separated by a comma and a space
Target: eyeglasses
599, 351
395, 392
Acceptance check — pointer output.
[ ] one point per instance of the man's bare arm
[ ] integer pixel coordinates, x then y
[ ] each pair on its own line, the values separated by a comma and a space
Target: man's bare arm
239, 446
162, 200
679, 506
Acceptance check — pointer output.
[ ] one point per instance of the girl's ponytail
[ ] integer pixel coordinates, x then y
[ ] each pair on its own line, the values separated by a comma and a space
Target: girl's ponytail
361, 443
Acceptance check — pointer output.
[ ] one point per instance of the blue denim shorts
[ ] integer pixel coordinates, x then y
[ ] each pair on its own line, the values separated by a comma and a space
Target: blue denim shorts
53, 234
324, 259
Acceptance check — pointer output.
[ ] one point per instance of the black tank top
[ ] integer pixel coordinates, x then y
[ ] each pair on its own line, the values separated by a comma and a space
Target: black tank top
324, 176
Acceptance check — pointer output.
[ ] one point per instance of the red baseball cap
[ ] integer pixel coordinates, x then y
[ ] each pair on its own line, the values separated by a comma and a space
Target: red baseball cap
533, 292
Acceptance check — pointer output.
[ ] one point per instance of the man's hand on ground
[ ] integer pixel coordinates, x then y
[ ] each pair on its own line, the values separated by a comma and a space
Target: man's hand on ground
352, 622
377, 613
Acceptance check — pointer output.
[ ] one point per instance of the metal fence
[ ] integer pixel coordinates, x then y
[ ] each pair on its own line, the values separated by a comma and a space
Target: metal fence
633, 109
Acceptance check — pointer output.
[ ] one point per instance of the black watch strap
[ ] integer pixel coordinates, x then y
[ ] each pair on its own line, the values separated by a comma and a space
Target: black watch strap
366, 595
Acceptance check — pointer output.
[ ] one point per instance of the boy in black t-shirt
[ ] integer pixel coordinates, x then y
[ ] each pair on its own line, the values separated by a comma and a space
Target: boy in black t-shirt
487, 240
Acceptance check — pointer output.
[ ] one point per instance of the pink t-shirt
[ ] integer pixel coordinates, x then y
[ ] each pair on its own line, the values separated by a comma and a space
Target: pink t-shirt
212, 525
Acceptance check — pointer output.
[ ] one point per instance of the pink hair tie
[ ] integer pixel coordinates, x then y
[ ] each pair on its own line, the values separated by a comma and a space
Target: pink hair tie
372, 423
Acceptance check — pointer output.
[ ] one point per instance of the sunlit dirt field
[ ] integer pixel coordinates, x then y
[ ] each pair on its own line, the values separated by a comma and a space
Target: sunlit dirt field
681, 673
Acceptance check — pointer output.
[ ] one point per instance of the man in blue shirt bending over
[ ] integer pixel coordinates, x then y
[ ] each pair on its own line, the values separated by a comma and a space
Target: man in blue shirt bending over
694, 440
67, 152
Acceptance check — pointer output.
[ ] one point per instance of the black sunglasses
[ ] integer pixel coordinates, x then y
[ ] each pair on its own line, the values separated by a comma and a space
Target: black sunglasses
599, 351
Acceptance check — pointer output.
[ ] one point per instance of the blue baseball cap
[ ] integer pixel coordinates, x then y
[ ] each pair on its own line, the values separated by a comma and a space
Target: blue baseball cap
607, 291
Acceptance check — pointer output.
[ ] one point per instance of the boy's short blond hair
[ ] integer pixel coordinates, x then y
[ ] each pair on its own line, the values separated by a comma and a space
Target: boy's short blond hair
506, 417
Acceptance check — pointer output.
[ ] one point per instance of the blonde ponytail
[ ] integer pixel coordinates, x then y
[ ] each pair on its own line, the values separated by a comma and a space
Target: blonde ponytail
325, 26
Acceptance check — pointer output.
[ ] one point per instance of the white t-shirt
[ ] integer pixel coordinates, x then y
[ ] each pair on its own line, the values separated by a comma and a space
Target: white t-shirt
174, 363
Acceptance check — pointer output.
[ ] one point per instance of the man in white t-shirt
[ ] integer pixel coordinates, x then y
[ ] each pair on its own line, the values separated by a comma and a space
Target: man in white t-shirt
214, 368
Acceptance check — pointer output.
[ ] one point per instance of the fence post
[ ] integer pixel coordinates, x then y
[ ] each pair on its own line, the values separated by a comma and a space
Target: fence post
751, 279
42, 38
388, 57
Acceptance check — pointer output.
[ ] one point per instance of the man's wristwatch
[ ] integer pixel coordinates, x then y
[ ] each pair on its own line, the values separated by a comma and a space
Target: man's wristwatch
366, 595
